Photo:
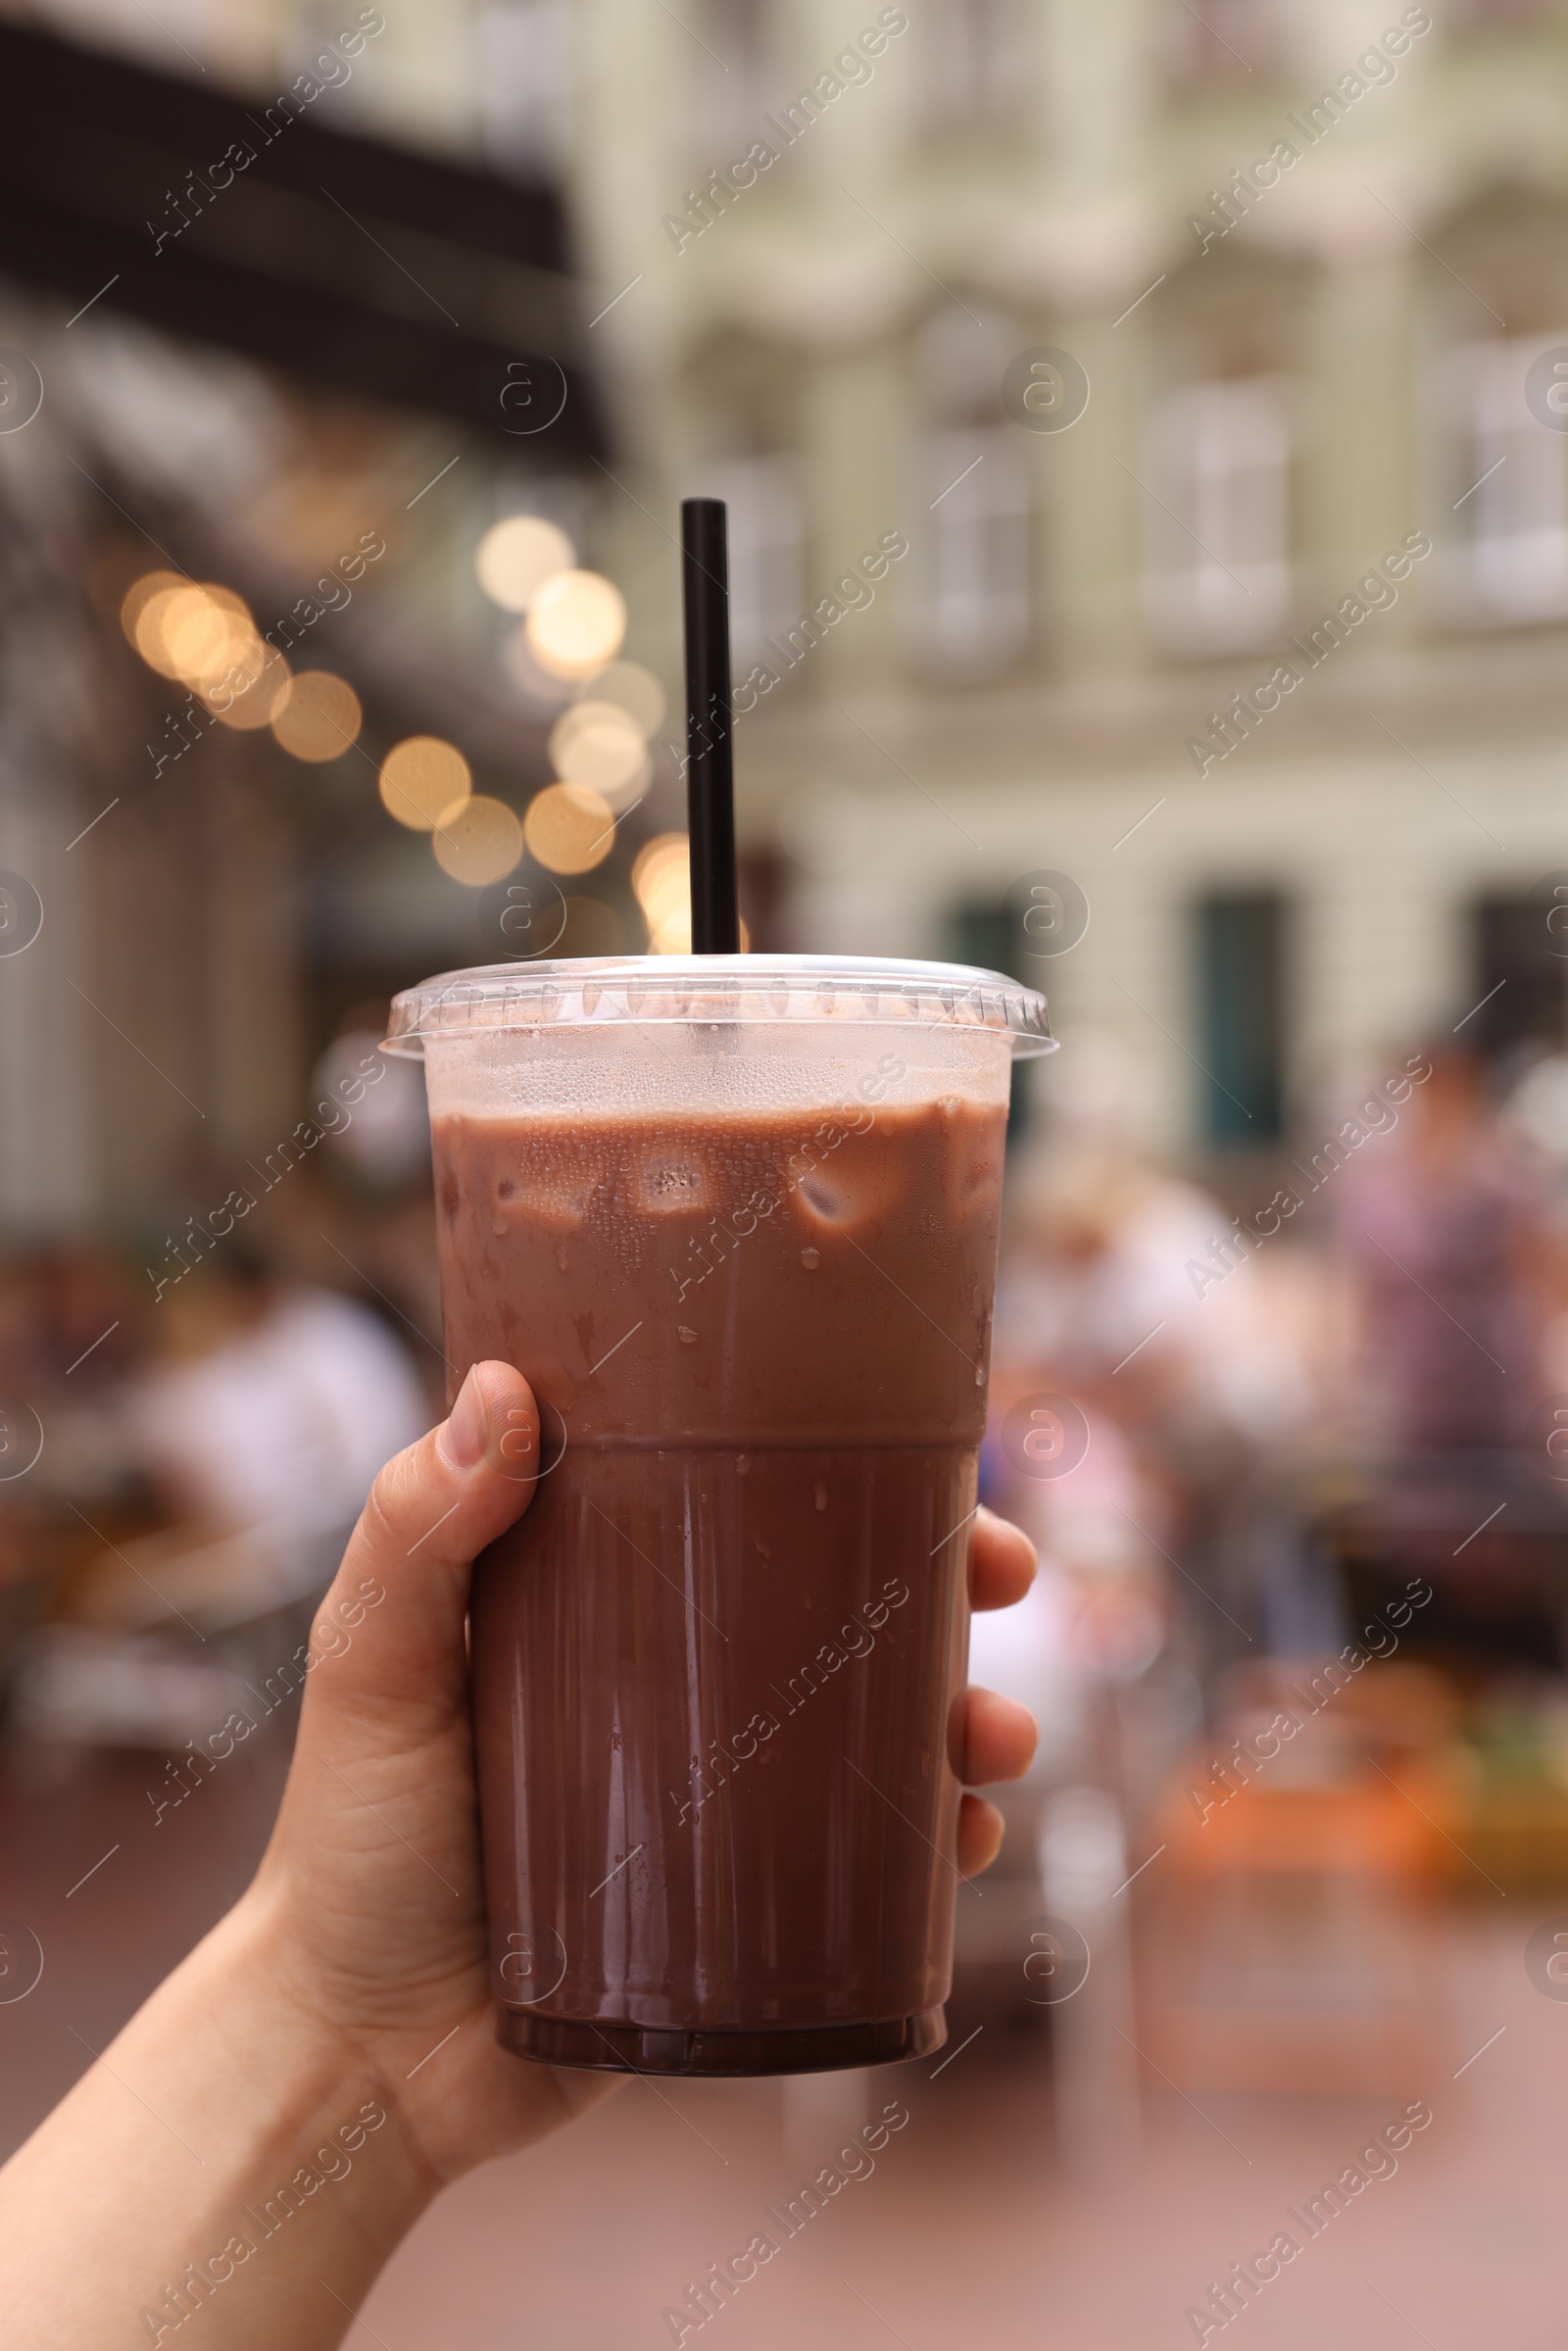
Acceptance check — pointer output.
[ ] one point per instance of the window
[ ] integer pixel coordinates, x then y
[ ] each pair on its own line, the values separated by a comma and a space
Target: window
976, 550
970, 574
975, 59
766, 550
1215, 512
1518, 980
1509, 558
1240, 980
525, 82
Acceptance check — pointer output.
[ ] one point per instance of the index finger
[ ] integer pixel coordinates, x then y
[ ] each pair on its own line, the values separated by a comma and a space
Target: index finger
1002, 1561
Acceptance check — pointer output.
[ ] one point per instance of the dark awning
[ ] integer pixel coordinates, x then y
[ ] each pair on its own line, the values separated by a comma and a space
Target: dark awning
357, 266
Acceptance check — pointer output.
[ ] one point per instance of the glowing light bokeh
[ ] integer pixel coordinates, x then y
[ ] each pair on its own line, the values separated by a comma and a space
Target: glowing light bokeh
515, 558
252, 705
318, 717
478, 840
421, 779
596, 744
569, 829
197, 634
577, 621
149, 637
661, 880
140, 594
197, 630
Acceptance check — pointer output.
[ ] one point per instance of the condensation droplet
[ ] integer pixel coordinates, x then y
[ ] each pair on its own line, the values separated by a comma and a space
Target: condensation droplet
759, 1545
686, 1337
743, 1462
979, 1375
811, 1259
561, 1255
498, 1228
821, 1495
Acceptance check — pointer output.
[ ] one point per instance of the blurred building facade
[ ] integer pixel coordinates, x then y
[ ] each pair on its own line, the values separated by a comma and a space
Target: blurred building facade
1306, 259
1295, 373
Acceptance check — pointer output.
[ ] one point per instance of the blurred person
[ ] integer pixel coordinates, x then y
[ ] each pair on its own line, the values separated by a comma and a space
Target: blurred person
1191, 1362
1110, 1284
1441, 1223
335, 2031
273, 1405
1442, 1211
1536, 1112
256, 1427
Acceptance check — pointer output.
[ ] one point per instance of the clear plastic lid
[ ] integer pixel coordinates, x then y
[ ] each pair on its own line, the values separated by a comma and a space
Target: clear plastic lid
715, 991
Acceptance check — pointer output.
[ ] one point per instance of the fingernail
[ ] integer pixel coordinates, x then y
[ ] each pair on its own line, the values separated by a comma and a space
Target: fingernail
468, 1425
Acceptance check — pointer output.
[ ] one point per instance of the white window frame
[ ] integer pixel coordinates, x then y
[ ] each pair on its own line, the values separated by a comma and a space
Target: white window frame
974, 556
1215, 499
1505, 562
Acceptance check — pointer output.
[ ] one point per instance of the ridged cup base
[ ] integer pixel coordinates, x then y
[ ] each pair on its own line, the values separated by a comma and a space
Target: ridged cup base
766, 2049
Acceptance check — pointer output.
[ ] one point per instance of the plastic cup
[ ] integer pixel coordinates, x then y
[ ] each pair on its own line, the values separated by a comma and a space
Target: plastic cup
735, 1219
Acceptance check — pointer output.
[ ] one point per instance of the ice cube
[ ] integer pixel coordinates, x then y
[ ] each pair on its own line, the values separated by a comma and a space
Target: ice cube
847, 1190
670, 1184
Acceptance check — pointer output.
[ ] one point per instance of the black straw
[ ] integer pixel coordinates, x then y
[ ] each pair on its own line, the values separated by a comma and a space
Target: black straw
709, 764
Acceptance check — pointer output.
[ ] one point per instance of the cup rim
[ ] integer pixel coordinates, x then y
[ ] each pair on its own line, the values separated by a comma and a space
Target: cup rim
715, 991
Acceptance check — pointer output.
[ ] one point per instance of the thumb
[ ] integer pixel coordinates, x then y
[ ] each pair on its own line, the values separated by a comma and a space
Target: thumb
404, 1581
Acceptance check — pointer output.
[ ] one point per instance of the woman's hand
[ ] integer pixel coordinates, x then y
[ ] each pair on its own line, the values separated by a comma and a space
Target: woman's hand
371, 1882
372, 1879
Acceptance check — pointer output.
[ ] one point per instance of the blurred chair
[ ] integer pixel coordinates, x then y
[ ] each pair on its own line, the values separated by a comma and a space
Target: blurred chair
1287, 1935
156, 1639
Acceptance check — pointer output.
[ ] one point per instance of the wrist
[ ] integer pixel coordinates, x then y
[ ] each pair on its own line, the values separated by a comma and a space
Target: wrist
326, 2115
229, 2148
307, 2176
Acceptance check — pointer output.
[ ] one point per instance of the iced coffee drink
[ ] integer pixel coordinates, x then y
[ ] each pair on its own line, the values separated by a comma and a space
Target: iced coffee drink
737, 1226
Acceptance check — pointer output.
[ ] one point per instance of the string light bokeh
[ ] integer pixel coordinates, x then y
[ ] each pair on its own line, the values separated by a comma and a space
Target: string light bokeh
565, 653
